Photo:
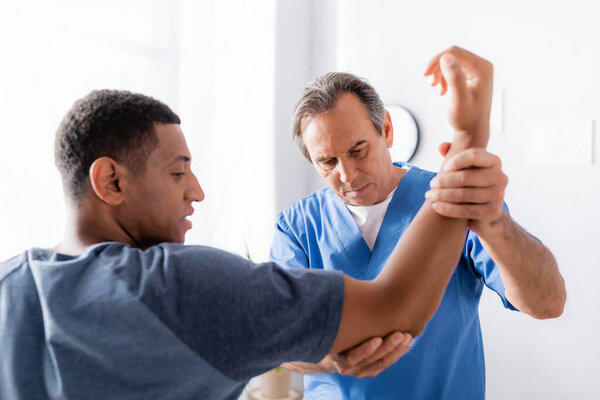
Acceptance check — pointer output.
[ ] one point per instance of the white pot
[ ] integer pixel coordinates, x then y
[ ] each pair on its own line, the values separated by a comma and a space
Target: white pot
276, 383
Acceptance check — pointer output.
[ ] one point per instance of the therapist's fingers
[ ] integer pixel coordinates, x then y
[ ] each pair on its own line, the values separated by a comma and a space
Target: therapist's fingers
389, 345
478, 213
473, 157
469, 178
466, 195
357, 354
444, 148
375, 367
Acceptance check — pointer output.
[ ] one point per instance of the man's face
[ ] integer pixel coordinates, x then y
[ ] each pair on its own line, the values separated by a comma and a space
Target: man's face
157, 203
349, 153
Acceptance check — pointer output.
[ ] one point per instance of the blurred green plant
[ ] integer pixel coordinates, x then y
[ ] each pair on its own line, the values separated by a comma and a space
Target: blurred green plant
247, 250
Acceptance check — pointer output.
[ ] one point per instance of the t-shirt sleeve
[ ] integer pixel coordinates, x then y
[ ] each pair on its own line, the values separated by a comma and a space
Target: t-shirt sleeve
242, 318
485, 266
286, 250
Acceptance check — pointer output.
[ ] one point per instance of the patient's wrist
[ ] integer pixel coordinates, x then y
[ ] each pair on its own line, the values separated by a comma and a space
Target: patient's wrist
464, 140
475, 138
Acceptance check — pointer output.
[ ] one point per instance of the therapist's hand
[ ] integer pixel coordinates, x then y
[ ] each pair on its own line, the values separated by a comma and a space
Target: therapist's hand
371, 357
470, 185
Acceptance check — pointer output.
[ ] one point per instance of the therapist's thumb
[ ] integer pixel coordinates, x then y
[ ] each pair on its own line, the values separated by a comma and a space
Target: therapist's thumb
455, 78
444, 148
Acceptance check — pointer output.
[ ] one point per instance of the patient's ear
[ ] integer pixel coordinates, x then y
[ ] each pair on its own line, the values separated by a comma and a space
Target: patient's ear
105, 177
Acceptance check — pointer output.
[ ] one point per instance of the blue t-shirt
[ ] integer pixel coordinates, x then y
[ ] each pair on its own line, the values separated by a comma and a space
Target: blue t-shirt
169, 322
446, 361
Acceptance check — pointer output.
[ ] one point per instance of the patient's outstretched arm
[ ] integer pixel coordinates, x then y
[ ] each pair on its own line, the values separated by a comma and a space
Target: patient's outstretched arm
410, 287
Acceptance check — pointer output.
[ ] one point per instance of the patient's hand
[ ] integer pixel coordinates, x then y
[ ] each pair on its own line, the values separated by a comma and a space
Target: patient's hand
469, 80
371, 357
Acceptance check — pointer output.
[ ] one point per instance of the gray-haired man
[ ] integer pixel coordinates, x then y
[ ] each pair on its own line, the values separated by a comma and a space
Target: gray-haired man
340, 125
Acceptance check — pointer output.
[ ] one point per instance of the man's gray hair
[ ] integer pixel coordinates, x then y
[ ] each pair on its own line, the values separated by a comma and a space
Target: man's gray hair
322, 94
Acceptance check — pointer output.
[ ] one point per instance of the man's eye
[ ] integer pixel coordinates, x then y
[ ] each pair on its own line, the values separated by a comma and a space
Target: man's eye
330, 163
357, 151
178, 175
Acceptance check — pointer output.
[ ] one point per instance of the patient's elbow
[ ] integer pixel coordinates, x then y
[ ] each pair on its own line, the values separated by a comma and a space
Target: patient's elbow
417, 330
413, 320
414, 326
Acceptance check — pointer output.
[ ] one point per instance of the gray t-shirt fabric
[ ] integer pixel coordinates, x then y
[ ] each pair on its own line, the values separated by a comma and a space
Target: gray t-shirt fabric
168, 322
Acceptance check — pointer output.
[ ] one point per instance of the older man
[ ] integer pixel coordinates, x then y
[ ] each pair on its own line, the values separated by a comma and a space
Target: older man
340, 125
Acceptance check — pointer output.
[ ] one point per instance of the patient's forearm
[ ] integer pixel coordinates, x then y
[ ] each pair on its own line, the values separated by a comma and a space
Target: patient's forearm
410, 287
421, 267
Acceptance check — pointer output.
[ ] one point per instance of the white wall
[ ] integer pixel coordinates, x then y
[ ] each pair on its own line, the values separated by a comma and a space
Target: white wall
52, 54
189, 54
235, 69
303, 42
227, 98
546, 61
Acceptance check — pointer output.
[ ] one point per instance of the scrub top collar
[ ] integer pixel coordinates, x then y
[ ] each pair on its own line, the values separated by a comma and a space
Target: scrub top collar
394, 224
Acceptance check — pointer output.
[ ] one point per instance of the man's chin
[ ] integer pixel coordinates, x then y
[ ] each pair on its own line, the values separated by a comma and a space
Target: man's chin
182, 236
361, 201
359, 197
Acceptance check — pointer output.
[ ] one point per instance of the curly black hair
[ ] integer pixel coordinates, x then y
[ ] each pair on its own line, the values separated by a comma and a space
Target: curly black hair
107, 123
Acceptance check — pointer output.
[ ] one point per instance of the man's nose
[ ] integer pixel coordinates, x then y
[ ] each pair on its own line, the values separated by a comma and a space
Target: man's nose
195, 193
347, 171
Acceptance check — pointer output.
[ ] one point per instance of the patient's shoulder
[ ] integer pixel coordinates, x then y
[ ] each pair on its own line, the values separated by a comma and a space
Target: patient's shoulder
12, 264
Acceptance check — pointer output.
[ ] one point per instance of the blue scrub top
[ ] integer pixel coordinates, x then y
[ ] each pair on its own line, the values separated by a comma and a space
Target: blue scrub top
446, 361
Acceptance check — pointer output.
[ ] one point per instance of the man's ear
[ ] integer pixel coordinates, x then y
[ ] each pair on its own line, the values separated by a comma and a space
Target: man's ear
387, 130
105, 177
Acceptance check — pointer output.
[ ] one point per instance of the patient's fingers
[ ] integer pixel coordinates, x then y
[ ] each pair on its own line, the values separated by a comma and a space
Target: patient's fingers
444, 87
432, 65
472, 67
437, 78
464, 57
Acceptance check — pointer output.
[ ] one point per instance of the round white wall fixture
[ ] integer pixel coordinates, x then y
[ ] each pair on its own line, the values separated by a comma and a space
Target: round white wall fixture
406, 133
